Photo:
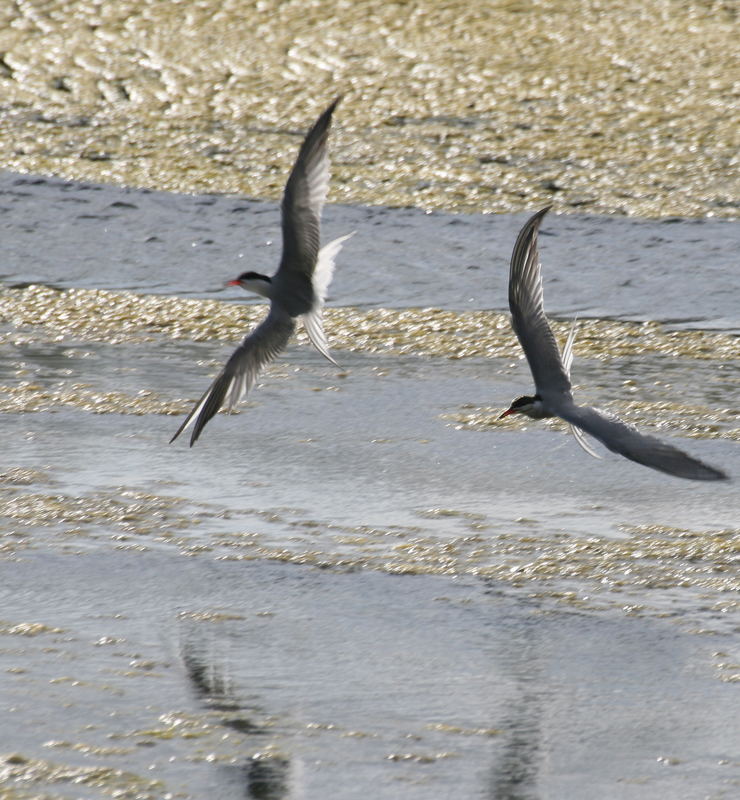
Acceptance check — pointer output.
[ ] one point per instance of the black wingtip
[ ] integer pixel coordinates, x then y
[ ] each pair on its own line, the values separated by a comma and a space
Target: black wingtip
527, 237
325, 117
316, 137
713, 473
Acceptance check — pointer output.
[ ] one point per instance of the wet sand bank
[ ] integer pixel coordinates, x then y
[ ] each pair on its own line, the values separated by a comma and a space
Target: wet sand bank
611, 107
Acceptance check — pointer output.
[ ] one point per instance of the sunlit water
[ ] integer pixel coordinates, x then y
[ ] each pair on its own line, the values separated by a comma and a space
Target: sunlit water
361, 584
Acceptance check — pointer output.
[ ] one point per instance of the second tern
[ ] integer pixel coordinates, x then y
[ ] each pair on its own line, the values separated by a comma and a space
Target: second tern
296, 291
551, 373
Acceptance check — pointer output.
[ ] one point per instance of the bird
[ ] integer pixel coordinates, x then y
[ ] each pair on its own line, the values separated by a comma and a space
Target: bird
551, 373
297, 291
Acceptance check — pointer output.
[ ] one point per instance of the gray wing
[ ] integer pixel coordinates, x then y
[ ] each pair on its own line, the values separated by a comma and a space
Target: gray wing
528, 314
303, 199
237, 377
630, 443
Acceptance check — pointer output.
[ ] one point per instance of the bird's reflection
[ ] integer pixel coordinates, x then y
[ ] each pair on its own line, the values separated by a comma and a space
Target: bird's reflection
263, 777
268, 779
515, 771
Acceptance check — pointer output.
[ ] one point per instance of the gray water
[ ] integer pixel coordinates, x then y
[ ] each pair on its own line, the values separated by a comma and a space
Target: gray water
68, 234
221, 622
361, 684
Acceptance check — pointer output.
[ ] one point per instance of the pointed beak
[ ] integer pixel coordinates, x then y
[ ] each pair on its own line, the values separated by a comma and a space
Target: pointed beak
235, 282
507, 412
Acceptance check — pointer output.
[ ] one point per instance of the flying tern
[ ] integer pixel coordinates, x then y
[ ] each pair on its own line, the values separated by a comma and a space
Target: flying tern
551, 373
296, 291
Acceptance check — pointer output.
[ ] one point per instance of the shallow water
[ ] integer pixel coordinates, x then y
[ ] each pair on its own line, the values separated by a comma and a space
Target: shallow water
361, 582
102, 237
267, 681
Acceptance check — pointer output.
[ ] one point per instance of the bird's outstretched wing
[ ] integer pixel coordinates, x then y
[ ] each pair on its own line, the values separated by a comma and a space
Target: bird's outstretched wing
630, 443
237, 377
321, 279
303, 200
528, 314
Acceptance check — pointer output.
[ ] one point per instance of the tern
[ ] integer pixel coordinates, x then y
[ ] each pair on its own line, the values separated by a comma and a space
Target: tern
296, 291
551, 373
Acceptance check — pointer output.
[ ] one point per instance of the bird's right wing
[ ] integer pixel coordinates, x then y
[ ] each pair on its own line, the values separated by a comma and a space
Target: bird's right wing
630, 443
528, 314
321, 279
237, 377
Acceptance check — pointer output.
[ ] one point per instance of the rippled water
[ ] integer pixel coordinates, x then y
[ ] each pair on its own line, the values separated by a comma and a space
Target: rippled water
361, 582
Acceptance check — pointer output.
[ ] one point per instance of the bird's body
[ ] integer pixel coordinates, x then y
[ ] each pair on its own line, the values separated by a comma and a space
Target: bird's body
551, 373
297, 290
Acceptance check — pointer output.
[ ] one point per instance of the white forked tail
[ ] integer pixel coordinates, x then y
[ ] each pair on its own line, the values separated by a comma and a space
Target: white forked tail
322, 276
578, 434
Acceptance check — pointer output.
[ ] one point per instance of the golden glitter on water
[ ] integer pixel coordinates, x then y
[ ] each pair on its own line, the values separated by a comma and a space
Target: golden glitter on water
116, 317
30, 397
33, 773
693, 421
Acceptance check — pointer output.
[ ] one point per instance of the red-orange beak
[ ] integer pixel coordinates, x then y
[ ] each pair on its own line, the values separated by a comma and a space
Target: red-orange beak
507, 412
235, 282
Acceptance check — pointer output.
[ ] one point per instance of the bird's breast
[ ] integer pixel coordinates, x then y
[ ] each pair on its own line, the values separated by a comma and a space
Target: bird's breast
295, 294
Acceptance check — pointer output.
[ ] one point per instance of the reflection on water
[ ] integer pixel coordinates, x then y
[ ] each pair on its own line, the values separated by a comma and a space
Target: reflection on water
267, 779
264, 775
514, 775
300, 683
516, 766
207, 673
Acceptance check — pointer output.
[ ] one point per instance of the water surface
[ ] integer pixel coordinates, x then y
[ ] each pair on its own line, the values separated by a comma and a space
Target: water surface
361, 582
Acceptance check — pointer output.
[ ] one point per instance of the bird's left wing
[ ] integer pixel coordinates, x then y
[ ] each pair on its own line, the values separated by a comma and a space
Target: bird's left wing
528, 314
237, 377
630, 443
